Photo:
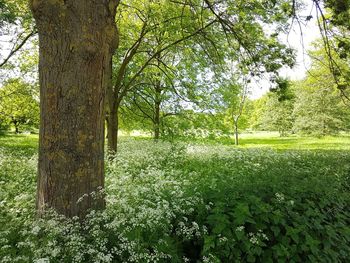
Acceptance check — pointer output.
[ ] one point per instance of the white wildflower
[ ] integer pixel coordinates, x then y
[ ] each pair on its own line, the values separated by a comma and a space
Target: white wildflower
240, 228
279, 197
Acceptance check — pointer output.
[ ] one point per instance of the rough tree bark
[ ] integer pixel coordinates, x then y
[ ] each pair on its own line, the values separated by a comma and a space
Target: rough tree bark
76, 41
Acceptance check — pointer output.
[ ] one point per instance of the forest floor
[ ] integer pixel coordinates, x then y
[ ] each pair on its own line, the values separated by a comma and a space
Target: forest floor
270, 199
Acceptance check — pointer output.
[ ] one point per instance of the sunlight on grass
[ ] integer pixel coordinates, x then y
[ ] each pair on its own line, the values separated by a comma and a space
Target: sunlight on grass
272, 140
29, 142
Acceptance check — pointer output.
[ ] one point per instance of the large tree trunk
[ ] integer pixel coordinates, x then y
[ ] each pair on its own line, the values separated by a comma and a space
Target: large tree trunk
76, 42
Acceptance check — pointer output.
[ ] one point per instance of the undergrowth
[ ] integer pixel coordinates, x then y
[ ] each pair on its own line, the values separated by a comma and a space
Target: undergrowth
187, 203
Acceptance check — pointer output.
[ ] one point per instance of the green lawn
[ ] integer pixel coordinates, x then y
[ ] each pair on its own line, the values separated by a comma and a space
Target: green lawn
273, 140
20, 144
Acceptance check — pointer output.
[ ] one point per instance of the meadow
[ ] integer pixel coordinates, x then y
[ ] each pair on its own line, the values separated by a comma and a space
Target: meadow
270, 199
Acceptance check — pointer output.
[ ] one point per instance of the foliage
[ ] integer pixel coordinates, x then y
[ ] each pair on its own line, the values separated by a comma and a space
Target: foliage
179, 56
340, 12
313, 105
269, 219
319, 108
14, 12
186, 203
196, 125
19, 105
319, 111
273, 114
17, 27
278, 115
333, 22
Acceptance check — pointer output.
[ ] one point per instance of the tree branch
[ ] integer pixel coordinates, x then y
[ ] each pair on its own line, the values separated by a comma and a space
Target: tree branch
18, 47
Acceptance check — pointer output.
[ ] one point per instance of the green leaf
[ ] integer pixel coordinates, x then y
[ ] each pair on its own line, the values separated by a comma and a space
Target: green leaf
242, 214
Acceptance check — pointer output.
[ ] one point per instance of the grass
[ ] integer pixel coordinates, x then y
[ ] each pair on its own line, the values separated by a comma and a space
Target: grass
25, 144
269, 200
271, 140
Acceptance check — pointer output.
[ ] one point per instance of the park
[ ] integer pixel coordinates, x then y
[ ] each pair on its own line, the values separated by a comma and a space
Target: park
174, 131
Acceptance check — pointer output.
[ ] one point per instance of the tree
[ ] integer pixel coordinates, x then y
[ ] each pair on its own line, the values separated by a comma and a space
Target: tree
235, 97
19, 105
16, 23
156, 28
273, 111
256, 109
319, 108
206, 27
176, 79
333, 21
236, 115
276, 114
76, 42
157, 91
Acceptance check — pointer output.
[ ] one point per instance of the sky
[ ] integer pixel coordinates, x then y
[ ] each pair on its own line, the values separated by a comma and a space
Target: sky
301, 42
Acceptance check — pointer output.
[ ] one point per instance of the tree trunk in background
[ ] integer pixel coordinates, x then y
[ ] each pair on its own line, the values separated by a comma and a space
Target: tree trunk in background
112, 128
157, 114
157, 101
112, 119
157, 121
76, 41
236, 132
16, 124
